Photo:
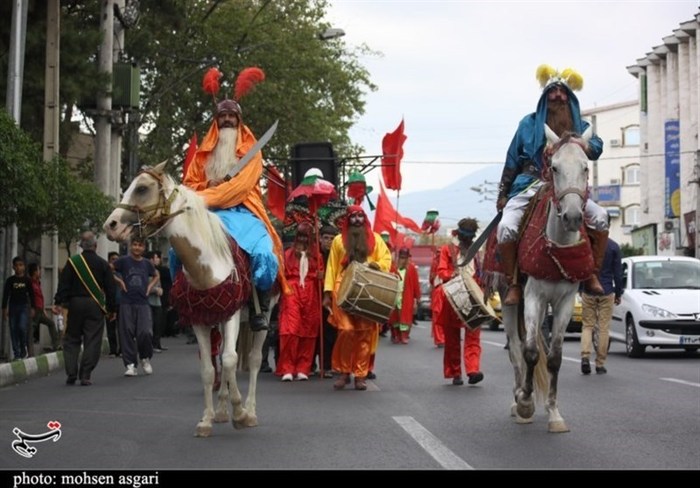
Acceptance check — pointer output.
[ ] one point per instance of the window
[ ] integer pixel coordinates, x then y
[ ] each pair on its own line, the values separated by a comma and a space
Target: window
632, 215
630, 135
632, 174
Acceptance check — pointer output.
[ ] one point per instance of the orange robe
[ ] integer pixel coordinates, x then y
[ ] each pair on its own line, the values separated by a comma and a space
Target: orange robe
243, 189
357, 336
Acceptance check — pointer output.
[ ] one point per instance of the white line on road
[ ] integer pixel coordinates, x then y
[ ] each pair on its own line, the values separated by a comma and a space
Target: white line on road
682, 382
432, 445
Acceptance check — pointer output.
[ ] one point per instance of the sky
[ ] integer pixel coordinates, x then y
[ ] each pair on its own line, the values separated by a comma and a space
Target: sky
462, 73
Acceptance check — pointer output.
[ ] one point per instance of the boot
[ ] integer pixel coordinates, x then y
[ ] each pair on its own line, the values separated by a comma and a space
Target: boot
403, 336
599, 242
217, 373
259, 321
508, 252
395, 339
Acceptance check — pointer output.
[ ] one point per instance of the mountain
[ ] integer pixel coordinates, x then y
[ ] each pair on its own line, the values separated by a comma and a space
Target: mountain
455, 201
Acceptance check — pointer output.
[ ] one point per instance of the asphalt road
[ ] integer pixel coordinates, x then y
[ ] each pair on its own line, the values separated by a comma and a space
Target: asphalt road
643, 415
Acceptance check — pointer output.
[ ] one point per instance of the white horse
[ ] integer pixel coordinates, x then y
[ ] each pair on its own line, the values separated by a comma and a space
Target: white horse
564, 206
150, 205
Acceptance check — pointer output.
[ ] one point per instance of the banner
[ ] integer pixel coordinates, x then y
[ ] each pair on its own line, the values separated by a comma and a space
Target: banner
672, 141
392, 150
386, 218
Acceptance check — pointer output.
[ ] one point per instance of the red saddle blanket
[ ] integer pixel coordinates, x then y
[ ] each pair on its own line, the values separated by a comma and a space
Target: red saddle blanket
543, 259
214, 305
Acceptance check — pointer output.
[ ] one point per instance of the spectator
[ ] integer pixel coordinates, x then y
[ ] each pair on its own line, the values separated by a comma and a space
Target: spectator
86, 288
40, 316
17, 307
156, 301
137, 277
112, 321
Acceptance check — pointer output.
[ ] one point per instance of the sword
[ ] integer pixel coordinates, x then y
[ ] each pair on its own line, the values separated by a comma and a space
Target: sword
252, 152
476, 245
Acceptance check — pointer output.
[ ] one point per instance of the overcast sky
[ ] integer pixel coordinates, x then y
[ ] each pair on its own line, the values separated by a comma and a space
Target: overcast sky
462, 73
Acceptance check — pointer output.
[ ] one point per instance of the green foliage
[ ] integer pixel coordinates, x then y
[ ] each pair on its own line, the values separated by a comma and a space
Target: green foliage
628, 250
44, 196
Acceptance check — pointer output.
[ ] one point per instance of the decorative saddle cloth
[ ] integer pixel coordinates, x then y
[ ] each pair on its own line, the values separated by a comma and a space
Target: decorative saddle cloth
545, 260
217, 304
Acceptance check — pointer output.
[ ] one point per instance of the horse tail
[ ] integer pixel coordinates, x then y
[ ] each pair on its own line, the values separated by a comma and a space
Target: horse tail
540, 376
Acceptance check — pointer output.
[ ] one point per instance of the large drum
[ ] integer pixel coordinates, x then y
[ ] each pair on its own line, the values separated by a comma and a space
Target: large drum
467, 300
367, 292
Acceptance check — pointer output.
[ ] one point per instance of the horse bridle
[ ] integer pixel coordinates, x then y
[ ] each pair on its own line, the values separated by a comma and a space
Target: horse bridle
154, 216
547, 174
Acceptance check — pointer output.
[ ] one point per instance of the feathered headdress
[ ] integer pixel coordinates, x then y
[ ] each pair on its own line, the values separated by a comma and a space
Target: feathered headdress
246, 80
547, 75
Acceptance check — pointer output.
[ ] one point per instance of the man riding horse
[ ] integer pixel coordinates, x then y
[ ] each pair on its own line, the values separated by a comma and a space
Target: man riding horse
238, 200
558, 107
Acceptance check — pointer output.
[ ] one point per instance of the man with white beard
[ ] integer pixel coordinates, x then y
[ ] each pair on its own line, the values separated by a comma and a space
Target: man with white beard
238, 201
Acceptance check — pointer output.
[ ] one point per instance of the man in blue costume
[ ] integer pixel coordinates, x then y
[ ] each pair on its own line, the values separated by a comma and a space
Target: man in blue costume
559, 108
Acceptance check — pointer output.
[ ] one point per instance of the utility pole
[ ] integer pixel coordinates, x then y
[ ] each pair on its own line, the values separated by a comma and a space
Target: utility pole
103, 122
15, 73
118, 120
49, 243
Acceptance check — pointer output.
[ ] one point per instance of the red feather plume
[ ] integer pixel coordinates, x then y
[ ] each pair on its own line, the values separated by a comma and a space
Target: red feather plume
210, 82
246, 80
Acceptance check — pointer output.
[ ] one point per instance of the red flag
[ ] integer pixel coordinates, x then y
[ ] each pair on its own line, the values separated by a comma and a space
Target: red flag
392, 150
386, 218
190, 154
277, 190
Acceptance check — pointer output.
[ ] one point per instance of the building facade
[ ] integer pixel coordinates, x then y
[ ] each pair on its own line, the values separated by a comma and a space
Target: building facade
669, 87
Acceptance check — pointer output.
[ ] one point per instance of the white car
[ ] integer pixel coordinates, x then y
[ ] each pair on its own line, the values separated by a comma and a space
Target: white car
660, 306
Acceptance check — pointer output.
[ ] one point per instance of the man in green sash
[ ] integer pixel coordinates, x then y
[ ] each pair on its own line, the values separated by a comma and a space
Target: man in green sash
86, 287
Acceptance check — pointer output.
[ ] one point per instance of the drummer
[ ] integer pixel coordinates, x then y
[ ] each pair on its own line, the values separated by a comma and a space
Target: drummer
357, 336
447, 269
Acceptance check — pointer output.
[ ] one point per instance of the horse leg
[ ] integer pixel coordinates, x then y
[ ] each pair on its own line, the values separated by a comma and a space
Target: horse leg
230, 359
560, 321
531, 354
221, 413
206, 370
510, 324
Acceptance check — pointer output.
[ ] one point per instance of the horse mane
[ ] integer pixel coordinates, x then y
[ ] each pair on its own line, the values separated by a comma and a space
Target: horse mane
202, 222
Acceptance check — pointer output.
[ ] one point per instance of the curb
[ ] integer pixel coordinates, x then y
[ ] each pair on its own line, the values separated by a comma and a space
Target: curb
16, 372
20, 371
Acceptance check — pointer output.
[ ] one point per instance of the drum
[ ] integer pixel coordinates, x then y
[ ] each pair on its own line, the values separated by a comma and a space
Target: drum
367, 292
467, 300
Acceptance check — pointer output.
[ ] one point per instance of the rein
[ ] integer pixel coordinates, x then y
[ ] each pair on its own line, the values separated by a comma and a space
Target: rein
154, 216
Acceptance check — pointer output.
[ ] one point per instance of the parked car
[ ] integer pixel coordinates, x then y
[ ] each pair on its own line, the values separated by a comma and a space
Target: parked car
575, 324
660, 306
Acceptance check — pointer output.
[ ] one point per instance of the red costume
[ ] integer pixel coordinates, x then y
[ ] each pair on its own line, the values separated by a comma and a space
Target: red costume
300, 312
438, 331
402, 317
453, 324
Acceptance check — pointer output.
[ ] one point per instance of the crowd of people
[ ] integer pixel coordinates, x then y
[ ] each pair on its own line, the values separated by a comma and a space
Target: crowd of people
313, 333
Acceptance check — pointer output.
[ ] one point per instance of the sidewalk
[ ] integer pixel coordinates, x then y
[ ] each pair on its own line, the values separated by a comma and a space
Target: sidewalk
20, 371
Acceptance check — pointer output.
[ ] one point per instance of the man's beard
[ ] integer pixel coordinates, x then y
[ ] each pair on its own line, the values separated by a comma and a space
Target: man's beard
559, 117
223, 157
357, 244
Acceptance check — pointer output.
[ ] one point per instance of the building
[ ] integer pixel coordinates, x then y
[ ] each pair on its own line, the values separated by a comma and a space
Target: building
614, 178
669, 87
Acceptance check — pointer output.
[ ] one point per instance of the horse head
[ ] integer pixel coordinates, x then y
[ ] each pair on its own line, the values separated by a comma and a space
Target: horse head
567, 169
146, 206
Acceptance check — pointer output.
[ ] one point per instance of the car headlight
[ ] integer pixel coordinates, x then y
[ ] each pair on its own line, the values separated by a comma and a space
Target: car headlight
658, 313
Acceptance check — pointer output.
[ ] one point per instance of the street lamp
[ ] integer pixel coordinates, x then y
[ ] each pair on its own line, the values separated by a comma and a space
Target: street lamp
331, 33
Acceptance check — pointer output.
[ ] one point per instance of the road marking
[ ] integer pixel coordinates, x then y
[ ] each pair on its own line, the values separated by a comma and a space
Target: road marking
682, 382
431, 444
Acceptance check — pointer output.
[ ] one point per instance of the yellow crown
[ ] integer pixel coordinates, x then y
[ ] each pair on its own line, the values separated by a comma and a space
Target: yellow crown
547, 75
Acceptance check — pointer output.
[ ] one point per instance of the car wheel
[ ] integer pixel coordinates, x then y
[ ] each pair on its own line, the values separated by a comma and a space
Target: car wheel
691, 349
634, 348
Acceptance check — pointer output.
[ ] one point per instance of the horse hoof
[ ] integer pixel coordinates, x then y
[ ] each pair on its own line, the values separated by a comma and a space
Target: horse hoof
522, 420
203, 430
221, 417
558, 427
525, 411
245, 422
513, 410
